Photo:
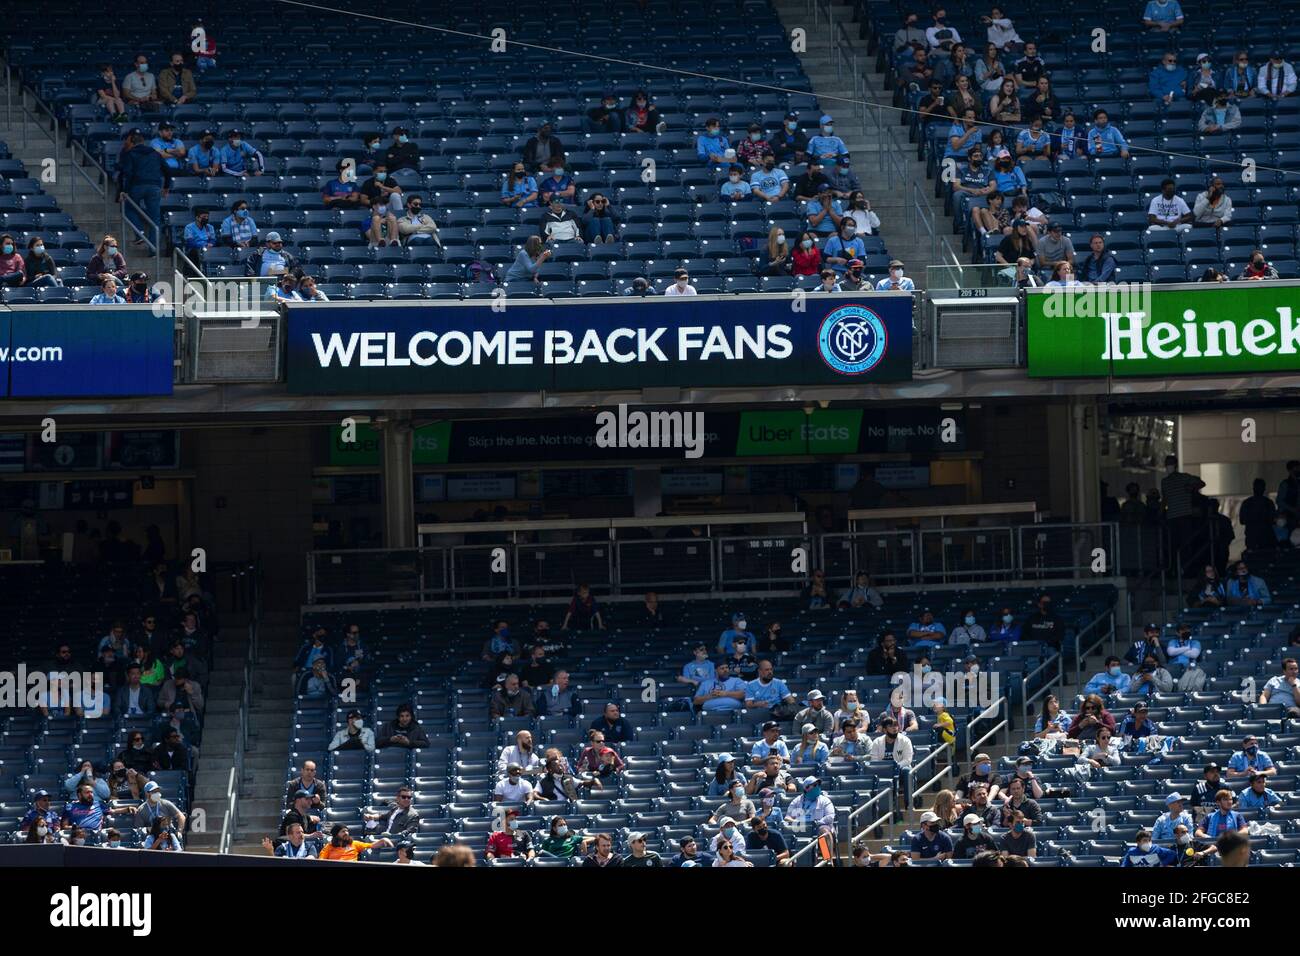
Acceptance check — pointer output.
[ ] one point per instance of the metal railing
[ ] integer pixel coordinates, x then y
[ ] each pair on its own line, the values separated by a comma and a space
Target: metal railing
914, 772
999, 708
879, 821
230, 818
131, 229
1081, 651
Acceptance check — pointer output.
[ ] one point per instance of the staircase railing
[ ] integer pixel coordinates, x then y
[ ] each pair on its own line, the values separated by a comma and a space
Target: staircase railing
230, 819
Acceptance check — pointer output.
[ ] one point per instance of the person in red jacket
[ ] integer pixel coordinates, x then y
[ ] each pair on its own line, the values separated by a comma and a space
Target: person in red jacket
807, 257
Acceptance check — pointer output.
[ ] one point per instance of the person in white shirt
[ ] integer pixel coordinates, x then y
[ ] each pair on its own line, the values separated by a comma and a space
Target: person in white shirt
681, 284
893, 744
417, 225
521, 754
941, 37
1002, 32
1169, 210
896, 281
1276, 78
513, 788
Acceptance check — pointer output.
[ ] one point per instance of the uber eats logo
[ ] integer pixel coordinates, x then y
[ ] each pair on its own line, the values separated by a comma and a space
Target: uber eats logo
824, 432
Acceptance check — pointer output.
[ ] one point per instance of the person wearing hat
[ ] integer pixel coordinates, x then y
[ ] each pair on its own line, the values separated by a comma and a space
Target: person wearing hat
930, 842
790, 144
1152, 676
770, 743
1145, 852
895, 281
1055, 248
638, 855
1202, 84
699, 669
272, 260
824, 211
169, 147
542, 149
1257, 796
739, 628
137, 289
811, 182
1277, 78
811, 812
341, 846
156, 806
1250, 760
1147, 642
737, 187
606, 117
40, 810
205, 158
712, 146
973, 838
1173, 817
825, 145
817, 714
853, 280
509, 841
402, 153
355, 735
302, 813
755, 148
240, 158
811, 749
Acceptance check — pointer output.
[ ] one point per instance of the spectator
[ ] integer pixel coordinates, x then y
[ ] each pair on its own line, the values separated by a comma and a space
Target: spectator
1098, 266
1042, 104
826, 146
239, 158
521, 754
1043, 624
853, 280
807, 258
851, 745
1283, 689
540, 149
712, 146
1276, 78
169, 148
1136, 726
940, 37
616, 728
1147, 643
1162, 15
137, 290
172, 753
272, 260
1052, 721
294, 846
947, 70
1250, 760
811, 182
509, 700
1166, 827
355, 735
385, 200
790, 145
739, 629
199, 236
342, 191
140, 88
1029, 68
1258, 268
930, 842
1183, 650
771, 692
205, 157
286, 290
1239, 78
652, 614
1111, 680
606, 117
779, 257
770, 183
239, 228
308, 781
1168, 81
828, 283
755, 148
556, 187
1223, 820
341, 846
812, 810
892, 743
583, 612
1019, 838
1169, 211
1258, 516
519, 189
528, 261
1104, 139
1021, 242
140, 176
1144, 852
401, 153
845, 185
1092, 718
926, 631
88, 812
737, 809
403, 731
134, 698
885, 659
509, 841
416, 225
973, 178
910, 35
13, 268
1005, 105
600, 220
824, 212
741, 663
1246, 590
108, 294
176, 83
990, 70
964, 136
513, 788
973, 839
736, 188
846, 244
156, 807
1203, 87
968, 632
723, 693
1035, 142
642, 116
308, 292
109, 95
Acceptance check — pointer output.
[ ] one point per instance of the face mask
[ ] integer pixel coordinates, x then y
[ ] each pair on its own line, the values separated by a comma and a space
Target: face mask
559, 172
812, 793
8, 248
970, 619
806, 243
976, 829
155, 797
755, 137
711, 130
729, 832
115, 843
143, 67
561, 831
1252, 750
514, 778
1171, 67
1019, 828
381, 176
926, 669
403, 138
740, 625
769, 166
236, 143
780, 238
374, 145
1145, 846
1184, 839
850, 230
791, 125
359, 724
1257, 263
828, 130
111, 251
851, 705
1006, 618
38, 250
1114, 672
241, 213
41, 831
983, 768
415, 210
81, 841
974, 669
734, 177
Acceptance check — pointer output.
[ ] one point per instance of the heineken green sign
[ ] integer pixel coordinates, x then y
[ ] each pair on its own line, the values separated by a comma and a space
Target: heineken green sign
1145, 331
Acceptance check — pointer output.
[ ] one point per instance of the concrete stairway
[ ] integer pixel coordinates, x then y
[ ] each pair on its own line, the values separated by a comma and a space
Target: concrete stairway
912, 246
30, 140
261, 787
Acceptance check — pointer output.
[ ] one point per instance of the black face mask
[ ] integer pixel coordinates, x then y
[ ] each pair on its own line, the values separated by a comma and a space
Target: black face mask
415, 209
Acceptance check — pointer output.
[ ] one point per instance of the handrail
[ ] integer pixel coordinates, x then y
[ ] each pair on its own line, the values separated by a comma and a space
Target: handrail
887, 817
129, 228
911, 773
1025, 698
230, 819
1001, 706
227, 820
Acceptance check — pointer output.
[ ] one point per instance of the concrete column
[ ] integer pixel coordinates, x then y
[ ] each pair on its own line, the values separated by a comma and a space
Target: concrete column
399, 488
1085, 472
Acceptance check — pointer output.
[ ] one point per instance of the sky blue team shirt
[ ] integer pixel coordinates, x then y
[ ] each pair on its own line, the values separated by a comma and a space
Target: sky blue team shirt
722, 703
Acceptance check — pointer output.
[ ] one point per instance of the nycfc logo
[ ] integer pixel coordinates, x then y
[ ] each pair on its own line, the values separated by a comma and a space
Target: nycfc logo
852, 340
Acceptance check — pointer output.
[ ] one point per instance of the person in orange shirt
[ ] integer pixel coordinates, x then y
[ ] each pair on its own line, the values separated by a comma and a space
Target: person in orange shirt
342, 847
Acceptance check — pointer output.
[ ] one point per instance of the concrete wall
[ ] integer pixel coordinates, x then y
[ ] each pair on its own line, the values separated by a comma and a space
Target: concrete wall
1212, 447
1026, 444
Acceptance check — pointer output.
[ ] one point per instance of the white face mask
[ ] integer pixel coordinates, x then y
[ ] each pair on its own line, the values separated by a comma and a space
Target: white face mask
807, 243
155, 797
42, 831
1184, 839
780, 238
1145, 846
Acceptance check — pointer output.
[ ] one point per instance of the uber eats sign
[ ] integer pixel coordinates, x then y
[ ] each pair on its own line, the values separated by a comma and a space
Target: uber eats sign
570, 345
1141, 331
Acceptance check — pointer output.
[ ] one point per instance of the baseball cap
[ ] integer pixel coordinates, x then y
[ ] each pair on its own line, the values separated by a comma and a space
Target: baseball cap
402, 129
152, 785
816, 695
40, 793
1053, 226
298, 794
793, 116
234, 132
724, 821
1174, 797
970, 818
1151, 626
514, 766
826, 118
855, 263
1210, 766
771, 725
970, 659
723, 758
895, 263
273, 237
980, 756
166, 124
807, 728
1140, 707
1023, 761
512, 812
929, 817
353, 713
634, 837
809, 781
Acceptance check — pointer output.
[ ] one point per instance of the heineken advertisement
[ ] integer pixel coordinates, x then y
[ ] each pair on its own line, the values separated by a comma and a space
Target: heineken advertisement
1145, 331
726, 434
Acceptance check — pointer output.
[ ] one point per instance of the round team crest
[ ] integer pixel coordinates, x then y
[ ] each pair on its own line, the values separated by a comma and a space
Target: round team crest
852, 340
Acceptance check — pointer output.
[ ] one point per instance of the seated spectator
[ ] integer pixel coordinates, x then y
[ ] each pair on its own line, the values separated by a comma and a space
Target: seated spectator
1162, 15
1222, 820
1062, 276
89, 811
1103, 139
561, 841
1258, 796
811, 182
1019, 838
824, 213
137, 290
385, 200
770, 744
736, 188
173, 753
1111, 680
1168, 81
1250, 760
510, 700
1042, 103
892, 744
513, 788
600, 220
738, 808
806, 260
616, 728
1005, 105
739, 629
1099, 265
853, 280
239, 229
239, 158
286, 290
964, 135
816, 593
205, 158
1144, 852
816, 713
742, 663
1168, 211
294, 846
401, 153
1152, 677
904, 715
968, 632
1034, 142
995, 218
851, 744
134, 698
108, 294
600, 852
157, 807
176, 83
1258, 268
606, 117
309, 292
1092, 718
583, 612
140, 87
342, 191
1104, 751
825, 145
1239, 78
542, 150
341, 846
1276, 78
723, 693
790, 145
769, 182
930, 842
712, 146
519, 188
13, 269
1246, 590
308, 780
272, 260
1008, 178
927, 631
895, 281
403, 731
973, 839
169, 147
107, 262
109, 95
755, 149
846, 244
199, 236
1282, 689
528, 261
559, 224
509, 841
642, 116
934, 107
885, 658
850, 707
1202, 85
416, 225
1136, 725
811, 749
354, 736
